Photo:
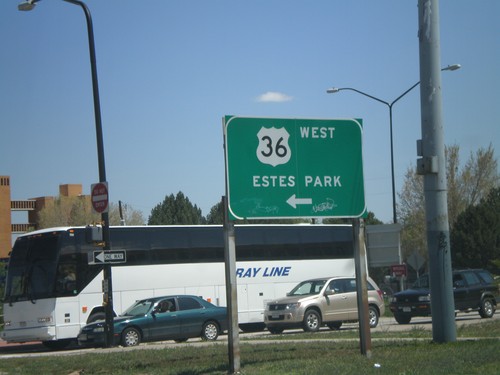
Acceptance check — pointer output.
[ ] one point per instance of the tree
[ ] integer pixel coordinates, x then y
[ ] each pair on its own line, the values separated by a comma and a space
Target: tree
475, 238
75, 211
130, 215
369, 220
467, 185
216, 214
372, 220
67, 211
176, 210
411, 214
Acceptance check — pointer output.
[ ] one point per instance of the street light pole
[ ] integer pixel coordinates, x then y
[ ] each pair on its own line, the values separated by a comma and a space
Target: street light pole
334, 90
108, 291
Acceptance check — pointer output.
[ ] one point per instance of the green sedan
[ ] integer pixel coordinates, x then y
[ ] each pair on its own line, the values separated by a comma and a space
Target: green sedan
176, 318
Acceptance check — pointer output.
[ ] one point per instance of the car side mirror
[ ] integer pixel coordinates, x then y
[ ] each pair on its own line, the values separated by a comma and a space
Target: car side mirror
155, 311
329, 292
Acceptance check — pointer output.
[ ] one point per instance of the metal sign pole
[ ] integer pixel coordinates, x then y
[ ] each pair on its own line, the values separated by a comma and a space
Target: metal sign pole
231, 292
365, 339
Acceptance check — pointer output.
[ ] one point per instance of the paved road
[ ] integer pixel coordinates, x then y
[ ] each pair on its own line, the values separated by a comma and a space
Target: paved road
386, 325
390, 324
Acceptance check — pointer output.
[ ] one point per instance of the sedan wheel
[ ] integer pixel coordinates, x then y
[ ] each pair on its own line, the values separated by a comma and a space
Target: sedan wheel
210, 331
131, 337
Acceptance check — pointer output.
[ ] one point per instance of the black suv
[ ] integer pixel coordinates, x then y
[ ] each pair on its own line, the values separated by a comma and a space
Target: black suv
473, 290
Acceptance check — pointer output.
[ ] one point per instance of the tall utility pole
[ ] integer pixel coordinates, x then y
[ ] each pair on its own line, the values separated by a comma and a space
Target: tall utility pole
432, 165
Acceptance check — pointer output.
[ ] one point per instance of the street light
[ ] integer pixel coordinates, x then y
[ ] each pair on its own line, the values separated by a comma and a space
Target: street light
334, 90
29, 5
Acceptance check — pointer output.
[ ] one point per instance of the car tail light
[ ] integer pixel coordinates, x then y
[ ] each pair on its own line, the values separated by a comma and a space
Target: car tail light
380, 294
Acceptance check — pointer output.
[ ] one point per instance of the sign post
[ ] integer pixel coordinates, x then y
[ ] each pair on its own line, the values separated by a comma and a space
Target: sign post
365, 341
231, 292
289, 168
100, 204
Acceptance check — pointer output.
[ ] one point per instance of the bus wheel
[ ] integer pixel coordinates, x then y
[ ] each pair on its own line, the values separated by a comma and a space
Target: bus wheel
96, 316
131, 337
252, 327
210, 331
57, 344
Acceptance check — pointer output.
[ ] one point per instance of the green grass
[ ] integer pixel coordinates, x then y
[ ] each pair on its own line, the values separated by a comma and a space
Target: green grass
332, 354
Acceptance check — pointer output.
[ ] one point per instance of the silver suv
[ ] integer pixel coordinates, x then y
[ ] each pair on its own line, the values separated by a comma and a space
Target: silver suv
328, 301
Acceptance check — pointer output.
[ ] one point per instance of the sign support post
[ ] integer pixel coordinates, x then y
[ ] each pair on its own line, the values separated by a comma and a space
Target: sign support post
365, 339
233, 344
231, 293
100, 204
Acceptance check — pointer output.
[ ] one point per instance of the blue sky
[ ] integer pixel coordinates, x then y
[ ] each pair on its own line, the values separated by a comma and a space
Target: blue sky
170, 70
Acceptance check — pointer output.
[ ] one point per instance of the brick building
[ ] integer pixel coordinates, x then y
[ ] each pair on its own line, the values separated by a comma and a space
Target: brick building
32, 206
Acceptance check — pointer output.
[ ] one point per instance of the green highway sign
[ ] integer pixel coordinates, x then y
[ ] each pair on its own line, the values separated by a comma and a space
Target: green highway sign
290, 168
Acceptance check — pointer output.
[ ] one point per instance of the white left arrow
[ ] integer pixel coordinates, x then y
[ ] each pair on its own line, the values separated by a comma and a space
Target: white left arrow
294, 201
100, 257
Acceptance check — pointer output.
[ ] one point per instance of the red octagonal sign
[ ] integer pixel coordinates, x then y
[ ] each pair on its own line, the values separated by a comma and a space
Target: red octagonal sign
99, 197
399, 270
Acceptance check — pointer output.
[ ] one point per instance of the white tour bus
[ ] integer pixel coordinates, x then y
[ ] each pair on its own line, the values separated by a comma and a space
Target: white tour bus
53, 288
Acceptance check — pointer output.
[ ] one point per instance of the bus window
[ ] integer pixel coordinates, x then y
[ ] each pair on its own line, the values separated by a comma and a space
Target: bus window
66, 279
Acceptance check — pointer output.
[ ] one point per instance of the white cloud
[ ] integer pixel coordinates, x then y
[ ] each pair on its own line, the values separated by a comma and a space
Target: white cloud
273, 96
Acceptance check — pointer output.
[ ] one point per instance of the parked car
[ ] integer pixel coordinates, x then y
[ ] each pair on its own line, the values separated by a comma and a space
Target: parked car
473, 290
329, 301
161, 318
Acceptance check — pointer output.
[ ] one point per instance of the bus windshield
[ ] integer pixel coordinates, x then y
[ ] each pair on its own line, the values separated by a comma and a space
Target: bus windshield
48, 265
32, 267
